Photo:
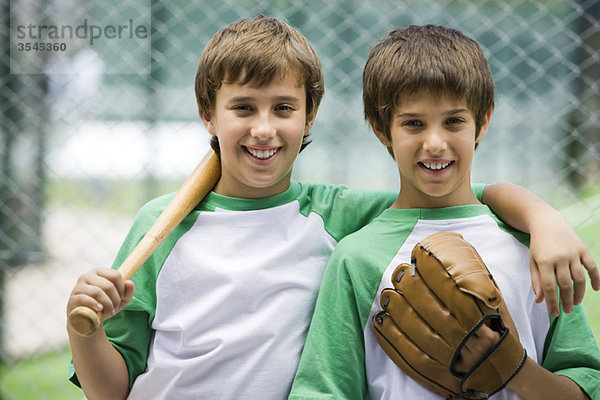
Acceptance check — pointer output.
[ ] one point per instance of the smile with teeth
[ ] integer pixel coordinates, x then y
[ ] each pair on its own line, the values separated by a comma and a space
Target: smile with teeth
262, 154
436, 165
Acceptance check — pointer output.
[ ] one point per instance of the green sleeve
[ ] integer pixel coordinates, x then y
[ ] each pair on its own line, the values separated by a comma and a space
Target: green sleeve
129, 333
571, 350
344, 210
130, 330
333, 358
332, 365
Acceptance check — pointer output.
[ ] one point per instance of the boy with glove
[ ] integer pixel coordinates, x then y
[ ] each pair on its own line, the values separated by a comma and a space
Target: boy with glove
428, 95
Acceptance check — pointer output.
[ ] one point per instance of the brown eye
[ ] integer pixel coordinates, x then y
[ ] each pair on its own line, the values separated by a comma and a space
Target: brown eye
284, 107
242, 108
454, 120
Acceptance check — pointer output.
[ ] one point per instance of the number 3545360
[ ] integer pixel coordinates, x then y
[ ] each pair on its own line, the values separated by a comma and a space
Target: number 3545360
27, 46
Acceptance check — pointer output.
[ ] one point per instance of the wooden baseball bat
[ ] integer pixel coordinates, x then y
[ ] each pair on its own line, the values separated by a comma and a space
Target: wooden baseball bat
86, 321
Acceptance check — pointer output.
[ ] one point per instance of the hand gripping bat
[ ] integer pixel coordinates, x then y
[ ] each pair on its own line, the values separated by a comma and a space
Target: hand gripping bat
86, 321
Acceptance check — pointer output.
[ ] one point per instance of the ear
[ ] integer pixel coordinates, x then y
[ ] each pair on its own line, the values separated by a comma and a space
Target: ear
309, 123
484, 126
380, 135
208, 124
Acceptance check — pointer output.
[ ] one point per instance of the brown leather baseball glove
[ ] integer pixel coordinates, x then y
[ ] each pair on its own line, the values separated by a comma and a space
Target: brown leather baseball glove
435, 306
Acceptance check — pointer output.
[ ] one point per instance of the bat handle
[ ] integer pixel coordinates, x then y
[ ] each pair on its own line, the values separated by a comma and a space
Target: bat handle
84, 320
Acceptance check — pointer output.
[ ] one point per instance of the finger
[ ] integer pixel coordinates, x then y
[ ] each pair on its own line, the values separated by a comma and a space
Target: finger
114, 277
476, 347
462, 365
95, 299
487, 335
81, 299
548, 280
482, 339
536, 281
578, 277
104, 291
590, 265
128, 294
565, 283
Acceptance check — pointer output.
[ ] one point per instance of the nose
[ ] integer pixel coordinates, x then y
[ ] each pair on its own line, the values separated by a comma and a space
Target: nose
263, 128
434, 141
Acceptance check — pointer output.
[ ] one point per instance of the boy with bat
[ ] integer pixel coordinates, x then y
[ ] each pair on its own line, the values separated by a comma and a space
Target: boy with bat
221, 308
444, 327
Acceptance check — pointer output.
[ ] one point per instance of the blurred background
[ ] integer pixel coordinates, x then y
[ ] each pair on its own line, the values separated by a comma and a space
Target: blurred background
98, 115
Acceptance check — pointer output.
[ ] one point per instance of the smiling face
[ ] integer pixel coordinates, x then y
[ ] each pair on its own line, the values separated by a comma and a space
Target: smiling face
433, 140
260, 131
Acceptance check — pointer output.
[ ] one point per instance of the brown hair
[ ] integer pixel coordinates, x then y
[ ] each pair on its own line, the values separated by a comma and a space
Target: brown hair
425, 58
257, 50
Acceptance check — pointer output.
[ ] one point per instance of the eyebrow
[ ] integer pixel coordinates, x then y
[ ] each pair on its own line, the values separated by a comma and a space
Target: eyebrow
458, 111
289, 99
415, 115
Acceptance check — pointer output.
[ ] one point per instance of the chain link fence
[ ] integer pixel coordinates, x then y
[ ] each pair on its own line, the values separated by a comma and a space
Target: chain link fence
98, 115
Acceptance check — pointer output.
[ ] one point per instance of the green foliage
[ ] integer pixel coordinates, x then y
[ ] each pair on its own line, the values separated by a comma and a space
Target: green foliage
589, 231
41, 377
114, 196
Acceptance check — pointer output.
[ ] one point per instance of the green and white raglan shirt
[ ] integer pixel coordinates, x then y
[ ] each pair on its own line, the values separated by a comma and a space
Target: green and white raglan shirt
342, 360
222, 308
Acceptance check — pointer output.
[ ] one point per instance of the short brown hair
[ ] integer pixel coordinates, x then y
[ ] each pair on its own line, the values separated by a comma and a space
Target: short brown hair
425, 58
257, 50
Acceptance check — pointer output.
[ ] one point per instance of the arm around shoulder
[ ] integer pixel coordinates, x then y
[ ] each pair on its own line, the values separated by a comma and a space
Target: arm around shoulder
556, 251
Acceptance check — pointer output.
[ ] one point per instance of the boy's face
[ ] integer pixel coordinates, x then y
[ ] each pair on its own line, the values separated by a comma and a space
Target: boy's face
433, 140
260, 131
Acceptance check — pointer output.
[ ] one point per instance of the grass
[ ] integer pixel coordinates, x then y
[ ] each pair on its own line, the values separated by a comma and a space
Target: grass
42, 377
